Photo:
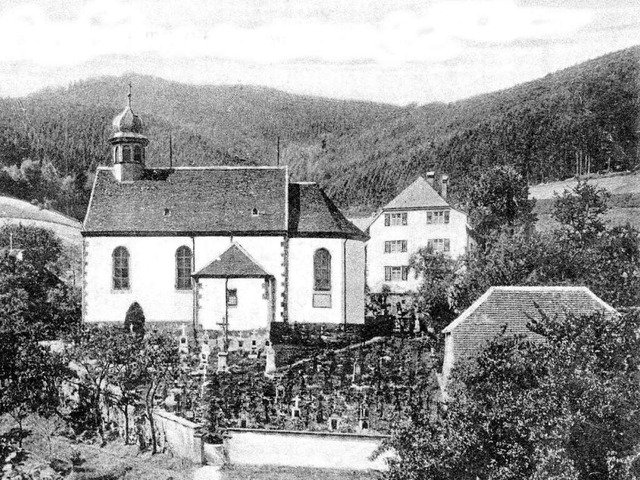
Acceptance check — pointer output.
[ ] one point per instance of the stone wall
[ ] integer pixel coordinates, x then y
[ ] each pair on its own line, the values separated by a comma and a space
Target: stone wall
304, 449
180, 437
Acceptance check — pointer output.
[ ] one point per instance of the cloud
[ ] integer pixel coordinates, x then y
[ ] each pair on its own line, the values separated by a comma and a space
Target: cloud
435, 33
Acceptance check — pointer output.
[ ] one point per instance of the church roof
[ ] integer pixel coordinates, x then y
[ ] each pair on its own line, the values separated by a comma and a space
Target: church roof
212, 200
417, 195
235, 262
312, 213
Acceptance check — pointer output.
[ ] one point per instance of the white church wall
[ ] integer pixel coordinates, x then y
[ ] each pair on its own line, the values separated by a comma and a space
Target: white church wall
416, 233
250, 313
301, 280
355, 281
152, 280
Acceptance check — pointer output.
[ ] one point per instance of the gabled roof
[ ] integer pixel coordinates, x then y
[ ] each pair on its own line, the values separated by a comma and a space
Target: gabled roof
235, 262
313, 214
211, 200
417, 195
516, 305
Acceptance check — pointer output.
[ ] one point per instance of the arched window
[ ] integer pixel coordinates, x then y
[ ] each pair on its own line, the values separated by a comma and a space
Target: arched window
126, 153
137, 154
121, 269
322, 270
183, 268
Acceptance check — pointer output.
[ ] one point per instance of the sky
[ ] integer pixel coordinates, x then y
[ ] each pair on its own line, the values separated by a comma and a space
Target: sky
394, 51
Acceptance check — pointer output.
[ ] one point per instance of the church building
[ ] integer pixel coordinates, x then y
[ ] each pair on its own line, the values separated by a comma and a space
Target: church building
209, 246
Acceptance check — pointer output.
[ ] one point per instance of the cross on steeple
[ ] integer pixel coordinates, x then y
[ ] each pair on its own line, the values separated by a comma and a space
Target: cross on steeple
129, 94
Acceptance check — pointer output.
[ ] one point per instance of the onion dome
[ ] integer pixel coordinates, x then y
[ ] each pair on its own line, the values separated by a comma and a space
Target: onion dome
127, 121
127, 127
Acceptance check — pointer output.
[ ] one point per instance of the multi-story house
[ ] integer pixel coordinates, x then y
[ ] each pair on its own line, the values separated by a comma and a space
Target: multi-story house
418, 217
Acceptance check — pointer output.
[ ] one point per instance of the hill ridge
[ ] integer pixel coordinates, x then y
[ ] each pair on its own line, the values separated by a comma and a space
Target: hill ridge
582, 118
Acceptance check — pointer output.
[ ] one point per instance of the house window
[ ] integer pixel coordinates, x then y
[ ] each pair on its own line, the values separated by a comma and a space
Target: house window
121, 269
232, 297
392, 246
439, 245
137, 154
126, 153
183, 268
393, 219
322, 270
396, 274
438, 216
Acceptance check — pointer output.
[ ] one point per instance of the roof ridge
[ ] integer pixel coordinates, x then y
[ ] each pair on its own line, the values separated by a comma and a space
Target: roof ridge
540, 287
243, 250
418, 194
523, 288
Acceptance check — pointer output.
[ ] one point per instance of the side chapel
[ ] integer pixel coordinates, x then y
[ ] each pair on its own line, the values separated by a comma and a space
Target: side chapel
209, 246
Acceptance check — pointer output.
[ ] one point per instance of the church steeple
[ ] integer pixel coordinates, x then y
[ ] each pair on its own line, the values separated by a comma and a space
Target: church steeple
128, 145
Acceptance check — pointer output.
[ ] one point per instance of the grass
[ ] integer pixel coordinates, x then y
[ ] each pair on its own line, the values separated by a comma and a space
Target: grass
45, 445
617, 184
117, 461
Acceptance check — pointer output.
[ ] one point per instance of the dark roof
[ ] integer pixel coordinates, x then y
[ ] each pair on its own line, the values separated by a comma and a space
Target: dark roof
213, 200
514, 307
417, 195
233, 263
312, 213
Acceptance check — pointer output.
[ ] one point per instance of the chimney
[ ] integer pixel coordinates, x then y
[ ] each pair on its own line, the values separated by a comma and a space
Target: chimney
430, 177
444, 184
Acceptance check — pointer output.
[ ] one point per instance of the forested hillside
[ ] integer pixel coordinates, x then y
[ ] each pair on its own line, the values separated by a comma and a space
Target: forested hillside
576, 120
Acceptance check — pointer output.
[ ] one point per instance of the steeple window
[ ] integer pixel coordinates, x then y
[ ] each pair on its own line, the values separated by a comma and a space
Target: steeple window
126, 154
137, 154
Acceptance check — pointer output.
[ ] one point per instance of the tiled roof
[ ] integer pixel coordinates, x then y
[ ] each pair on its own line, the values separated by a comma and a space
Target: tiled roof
514, 307
190, 200
312, 213
417, 195
215, 200
235, 262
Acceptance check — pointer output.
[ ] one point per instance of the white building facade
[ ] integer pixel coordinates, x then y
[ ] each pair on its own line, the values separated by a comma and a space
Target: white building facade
211, 246
418, 217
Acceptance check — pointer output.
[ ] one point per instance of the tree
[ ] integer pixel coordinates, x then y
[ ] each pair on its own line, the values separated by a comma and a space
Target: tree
134, 319
581, 209
434, 296
565, 407
31, 376
96, 354
158, 364
498, 199
581, 252
31, 295
41, 246
126, 375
